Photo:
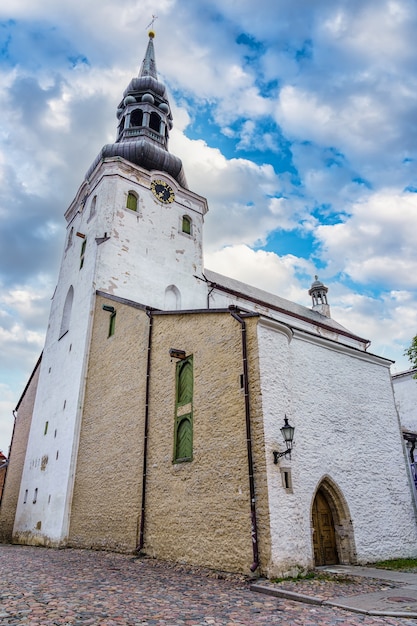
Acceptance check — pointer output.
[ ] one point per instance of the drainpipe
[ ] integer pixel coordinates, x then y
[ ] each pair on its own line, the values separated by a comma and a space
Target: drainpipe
145, 438
254, 532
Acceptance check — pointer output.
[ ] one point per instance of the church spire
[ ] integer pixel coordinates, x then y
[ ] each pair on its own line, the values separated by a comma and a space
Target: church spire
148, 67
145, 120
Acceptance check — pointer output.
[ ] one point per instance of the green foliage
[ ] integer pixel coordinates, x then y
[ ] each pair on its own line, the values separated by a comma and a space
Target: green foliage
399, 564
411, 353
314, 575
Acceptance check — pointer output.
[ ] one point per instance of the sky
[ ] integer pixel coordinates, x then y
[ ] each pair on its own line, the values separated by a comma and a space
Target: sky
297, 120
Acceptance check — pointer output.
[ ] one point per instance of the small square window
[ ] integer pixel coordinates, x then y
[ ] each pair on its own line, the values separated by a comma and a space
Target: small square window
286, 479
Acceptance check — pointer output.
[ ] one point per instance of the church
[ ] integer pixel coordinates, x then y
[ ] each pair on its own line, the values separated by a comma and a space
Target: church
184, 415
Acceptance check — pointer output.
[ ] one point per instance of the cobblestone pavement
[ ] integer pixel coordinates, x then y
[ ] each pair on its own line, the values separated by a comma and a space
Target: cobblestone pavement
48, 587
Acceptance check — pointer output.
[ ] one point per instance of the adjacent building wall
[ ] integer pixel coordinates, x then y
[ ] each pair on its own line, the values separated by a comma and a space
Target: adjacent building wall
347, 434
17, 455
405, 392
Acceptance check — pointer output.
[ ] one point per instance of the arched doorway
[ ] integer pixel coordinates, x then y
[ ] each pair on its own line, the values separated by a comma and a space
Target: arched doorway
324, 536
332, 528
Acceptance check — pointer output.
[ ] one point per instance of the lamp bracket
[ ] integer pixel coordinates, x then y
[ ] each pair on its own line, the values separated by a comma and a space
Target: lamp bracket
279, 455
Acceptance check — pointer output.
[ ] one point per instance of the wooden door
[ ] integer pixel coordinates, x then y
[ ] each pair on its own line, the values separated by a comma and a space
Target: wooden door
324, 540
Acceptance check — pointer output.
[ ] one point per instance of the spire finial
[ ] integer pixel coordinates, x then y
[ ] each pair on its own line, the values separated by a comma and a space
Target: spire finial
148, 67
151, 33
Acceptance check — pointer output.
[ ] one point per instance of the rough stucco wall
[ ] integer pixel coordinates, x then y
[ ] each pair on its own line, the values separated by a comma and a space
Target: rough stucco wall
405, 391
196, 512
107, 490
199, 512
346, 429
17, 458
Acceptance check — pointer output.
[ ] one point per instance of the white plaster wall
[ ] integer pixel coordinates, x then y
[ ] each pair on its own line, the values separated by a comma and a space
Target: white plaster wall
50, 458
341, 404
405, 391
147, 251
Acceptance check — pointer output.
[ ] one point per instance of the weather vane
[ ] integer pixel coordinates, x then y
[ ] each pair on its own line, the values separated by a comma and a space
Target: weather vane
151, 23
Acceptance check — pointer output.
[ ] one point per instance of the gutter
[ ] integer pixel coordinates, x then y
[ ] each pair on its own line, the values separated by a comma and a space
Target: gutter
145, 436
254, 532
269, 305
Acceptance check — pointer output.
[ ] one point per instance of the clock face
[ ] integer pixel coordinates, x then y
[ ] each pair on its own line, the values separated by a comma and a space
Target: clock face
162, 191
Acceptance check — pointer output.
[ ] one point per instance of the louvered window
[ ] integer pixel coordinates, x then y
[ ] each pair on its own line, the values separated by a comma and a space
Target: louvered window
183, 443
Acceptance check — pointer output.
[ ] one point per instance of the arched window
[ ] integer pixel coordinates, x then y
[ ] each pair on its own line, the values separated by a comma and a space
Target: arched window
155, 122
66, 313
136, 117
92, 207
172, 298
186, 224
183, 443
121, 126
132, 201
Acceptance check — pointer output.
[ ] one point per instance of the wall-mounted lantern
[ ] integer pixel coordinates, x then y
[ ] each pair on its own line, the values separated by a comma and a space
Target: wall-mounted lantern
287, 432
177, 354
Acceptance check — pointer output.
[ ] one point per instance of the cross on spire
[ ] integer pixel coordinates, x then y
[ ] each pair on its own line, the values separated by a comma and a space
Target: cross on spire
151, 23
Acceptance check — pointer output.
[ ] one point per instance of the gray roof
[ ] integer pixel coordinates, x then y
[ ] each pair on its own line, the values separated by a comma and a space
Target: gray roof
269, 300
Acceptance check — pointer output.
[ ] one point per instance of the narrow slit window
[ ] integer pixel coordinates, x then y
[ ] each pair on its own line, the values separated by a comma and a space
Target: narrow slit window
66, 314
93, 207
46, 428
112, 324
70, 237
286, 479
82, 253
35, 496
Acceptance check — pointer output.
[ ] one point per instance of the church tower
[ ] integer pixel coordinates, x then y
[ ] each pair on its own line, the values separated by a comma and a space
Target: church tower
134, 230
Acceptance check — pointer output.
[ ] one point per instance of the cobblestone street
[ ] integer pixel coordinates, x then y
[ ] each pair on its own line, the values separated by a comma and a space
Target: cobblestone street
77, 587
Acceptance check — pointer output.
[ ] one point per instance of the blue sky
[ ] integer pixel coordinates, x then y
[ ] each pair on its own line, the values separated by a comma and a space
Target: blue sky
296, 119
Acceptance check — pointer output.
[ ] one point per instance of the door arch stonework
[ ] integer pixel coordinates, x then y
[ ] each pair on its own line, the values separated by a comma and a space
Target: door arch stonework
328, 494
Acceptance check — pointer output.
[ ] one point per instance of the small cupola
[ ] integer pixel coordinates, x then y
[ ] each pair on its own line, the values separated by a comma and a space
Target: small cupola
318, 293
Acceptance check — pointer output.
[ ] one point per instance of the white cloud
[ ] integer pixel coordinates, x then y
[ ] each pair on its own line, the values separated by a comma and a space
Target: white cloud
264, 270
376, 244
236, 189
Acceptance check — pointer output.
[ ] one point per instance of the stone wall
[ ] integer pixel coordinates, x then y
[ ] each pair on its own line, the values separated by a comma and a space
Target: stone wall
196, 512
107, 490
199, 512
17, 457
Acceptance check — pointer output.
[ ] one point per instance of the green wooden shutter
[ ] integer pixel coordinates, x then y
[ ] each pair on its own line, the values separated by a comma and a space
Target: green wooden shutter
184, 439
186, 225
185, 382
132, 201
183, 431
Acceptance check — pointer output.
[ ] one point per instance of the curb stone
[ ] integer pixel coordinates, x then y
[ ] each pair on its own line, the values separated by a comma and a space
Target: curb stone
299, 597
